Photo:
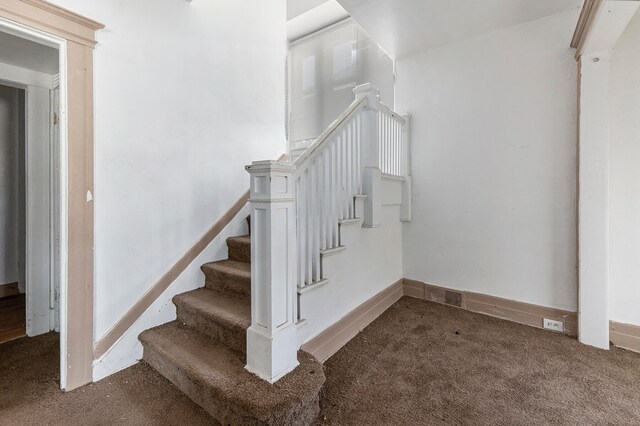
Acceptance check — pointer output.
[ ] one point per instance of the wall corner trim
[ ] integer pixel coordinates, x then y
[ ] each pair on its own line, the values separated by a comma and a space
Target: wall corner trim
589, 15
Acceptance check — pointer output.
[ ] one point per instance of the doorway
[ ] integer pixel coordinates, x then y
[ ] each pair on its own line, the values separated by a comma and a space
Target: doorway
12, 213
29, 188
75, 38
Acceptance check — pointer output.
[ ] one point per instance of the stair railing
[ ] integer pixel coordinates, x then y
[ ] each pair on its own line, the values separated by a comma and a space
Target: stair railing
296, 211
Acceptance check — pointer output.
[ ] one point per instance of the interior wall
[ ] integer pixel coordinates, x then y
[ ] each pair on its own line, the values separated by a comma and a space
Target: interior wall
296, 8
370, 263
186, 94
494, 163
324, 70
12, 186
624, 178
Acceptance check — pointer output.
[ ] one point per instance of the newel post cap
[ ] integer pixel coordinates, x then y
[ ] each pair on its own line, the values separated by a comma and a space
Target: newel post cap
270, 166
367, 90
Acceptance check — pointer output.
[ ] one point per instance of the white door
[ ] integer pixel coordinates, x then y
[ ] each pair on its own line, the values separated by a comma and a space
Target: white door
38, 273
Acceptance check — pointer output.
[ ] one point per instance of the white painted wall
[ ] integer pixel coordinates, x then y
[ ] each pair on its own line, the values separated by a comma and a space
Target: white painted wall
186, 94
371, 263
624, 178
324, 68
494, 163
12, 186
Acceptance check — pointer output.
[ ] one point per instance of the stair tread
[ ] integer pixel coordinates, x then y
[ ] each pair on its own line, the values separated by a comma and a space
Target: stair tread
235, 267
243, 239
231, 310
219, 370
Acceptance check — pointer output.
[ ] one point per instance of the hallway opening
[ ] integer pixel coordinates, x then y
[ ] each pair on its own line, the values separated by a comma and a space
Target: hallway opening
30, 185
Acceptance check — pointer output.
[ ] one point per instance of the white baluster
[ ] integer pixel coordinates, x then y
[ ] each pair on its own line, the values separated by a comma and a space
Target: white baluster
336, 201
309, 222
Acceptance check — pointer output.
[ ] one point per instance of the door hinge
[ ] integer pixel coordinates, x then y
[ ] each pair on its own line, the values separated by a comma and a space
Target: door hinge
55, 118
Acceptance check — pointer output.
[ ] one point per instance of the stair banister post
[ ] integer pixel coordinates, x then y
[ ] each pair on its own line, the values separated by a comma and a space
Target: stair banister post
371, 174
272, 340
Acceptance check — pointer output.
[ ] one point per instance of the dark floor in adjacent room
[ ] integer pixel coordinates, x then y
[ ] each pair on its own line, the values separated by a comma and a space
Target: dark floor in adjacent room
12, 317
419, 363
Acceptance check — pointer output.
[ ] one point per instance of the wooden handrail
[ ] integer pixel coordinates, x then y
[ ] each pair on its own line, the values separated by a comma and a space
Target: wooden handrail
303, 162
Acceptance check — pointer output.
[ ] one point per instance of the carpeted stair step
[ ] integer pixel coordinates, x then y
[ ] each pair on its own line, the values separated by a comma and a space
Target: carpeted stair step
229, 276
213, 376
240, 248
220, 316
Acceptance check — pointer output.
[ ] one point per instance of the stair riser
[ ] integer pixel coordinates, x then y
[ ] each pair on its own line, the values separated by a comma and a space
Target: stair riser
304, 414
234, 337
195, 391
228, 283
239, 251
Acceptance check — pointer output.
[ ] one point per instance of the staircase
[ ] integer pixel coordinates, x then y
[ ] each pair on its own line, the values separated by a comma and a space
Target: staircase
234, 346
203, 352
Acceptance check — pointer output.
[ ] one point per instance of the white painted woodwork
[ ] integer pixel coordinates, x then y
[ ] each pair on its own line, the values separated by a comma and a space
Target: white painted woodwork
343, 163
298, 211
593, 231
38, 195
594, 171
370, 262
271, 339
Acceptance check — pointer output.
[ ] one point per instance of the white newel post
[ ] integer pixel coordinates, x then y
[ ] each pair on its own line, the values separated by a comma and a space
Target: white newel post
271, 339
371, 174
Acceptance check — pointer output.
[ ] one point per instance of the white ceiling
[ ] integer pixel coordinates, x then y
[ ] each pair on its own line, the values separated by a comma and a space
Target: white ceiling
402, 27
27, 54
311, 16
298, 7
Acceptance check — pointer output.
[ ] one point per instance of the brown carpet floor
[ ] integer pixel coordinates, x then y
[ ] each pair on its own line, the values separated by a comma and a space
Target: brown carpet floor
424, 363
420, 363
30, 392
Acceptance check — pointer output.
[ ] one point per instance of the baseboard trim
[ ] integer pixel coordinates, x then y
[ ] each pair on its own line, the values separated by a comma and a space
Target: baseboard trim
335, 337
10, 289
625, 336
511, 310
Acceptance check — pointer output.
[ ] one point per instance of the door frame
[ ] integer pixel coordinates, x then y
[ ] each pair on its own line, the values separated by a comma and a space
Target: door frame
74, 36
